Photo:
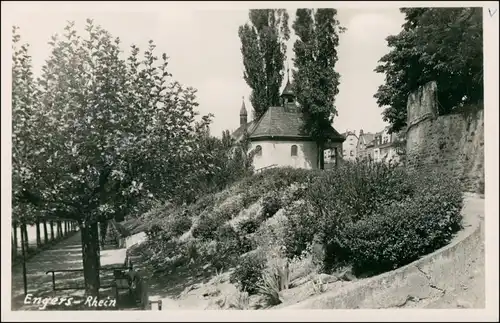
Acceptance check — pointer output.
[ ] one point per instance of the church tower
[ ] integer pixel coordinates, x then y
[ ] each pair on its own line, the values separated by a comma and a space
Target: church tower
243, 113
287, 96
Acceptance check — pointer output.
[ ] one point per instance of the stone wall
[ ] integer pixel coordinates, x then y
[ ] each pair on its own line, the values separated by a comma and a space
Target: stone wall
454, 143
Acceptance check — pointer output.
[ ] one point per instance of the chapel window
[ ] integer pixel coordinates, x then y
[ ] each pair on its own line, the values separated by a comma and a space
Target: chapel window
258, 150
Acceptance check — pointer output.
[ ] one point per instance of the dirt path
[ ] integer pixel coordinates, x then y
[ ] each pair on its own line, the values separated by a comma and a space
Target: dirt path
469, 288
67, 254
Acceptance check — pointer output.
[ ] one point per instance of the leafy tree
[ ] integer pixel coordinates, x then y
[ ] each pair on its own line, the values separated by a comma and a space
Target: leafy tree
315, 79
103, 135
23, 112
263, 46
435, 44
228, 160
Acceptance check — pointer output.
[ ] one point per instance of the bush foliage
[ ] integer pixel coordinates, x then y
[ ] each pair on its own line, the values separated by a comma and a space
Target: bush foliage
372, 217
376, 217
248, 274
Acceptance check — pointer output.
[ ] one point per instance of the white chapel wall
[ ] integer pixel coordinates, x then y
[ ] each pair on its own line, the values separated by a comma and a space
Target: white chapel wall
278, 152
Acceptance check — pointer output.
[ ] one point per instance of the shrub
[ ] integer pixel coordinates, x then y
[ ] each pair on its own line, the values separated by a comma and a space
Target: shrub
248, 274
271, 204
178, 225
276, 179
204, 203
230, 208
246, 244
480, 188
241, 301
153, 232
302, 265
190, 250
295, 192
272, 232
250, 197
269, 288
207, 227
404, 230
227, 233
301, 227
355, 190
230, 243
318, 286
247, 226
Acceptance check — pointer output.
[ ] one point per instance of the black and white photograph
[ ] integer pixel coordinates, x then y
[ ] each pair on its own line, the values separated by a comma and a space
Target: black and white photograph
162, 157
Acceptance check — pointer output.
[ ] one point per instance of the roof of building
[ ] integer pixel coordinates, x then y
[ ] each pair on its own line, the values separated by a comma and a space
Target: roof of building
366, 138
280, 122
349, 133
284, 122
238, 133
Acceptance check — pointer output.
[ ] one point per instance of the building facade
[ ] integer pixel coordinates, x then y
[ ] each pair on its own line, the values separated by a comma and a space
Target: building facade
364, 147
385, 145
350, 146
378, 147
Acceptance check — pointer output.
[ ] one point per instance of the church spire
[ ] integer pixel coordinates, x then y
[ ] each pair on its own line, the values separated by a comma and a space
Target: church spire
243, 112
287, 93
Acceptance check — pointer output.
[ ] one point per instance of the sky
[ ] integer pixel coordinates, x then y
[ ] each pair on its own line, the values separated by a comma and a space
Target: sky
204, 50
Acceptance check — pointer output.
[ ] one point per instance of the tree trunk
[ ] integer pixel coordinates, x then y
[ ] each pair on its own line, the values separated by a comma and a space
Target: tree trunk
38, 235
26, 241
59, 230
14, 243
52, 237
103, 229
90, 253
45, 233
321, 156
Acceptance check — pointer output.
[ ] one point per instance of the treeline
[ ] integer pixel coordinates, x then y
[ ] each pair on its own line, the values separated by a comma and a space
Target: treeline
97, 136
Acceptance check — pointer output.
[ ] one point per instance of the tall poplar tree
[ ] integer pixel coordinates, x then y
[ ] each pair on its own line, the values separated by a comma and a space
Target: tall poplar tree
315, 79
263, 46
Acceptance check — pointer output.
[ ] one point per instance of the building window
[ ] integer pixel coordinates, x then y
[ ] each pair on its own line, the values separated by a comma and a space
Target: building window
352, 153
258, 150
294, 150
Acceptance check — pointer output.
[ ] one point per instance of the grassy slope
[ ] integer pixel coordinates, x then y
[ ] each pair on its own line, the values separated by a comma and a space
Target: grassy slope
175, 268
174, 273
